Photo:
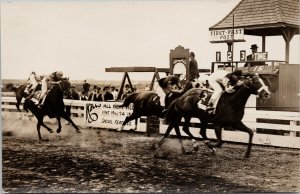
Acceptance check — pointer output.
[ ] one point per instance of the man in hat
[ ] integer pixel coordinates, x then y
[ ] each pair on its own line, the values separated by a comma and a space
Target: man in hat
107, 96
92, 94
194, 71
251, 57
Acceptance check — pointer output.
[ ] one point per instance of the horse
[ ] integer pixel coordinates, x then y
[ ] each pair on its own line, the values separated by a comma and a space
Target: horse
148, 103
229, 111
53, 107
20, 93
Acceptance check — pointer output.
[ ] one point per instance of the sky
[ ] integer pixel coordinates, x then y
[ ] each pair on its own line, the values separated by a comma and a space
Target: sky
82, 38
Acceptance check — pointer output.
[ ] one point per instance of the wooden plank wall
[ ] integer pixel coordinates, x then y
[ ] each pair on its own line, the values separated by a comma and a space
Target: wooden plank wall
289, 86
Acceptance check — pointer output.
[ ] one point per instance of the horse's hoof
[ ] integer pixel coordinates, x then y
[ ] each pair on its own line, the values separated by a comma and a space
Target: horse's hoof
213, 151
58, 130
51, 131
247, 155
120, 129
78, 131
196, 147
218, 145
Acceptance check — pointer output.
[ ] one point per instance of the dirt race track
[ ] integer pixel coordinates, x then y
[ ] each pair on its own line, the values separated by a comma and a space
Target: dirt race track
109, 161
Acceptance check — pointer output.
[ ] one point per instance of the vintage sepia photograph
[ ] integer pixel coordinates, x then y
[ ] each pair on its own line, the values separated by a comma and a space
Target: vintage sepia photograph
150, 96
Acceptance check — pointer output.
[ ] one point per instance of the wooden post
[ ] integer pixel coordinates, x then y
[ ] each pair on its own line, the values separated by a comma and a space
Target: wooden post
263, 44
155, 76
287, 34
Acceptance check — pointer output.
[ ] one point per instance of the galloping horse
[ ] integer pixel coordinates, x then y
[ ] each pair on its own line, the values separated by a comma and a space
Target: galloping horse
20, 94
53, 107
229, 111
148, 103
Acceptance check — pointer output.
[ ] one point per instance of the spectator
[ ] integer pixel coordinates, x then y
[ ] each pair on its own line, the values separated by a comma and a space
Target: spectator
96, 94
134, 89
252, 58
73, 94
85, 87
107, 96
114, 92
92, 94
194, 71
127, 91
147, 88
84, 95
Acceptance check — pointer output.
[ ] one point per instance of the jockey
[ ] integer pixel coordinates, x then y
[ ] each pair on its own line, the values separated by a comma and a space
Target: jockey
167, 85
52, 78
222, 80
32, 83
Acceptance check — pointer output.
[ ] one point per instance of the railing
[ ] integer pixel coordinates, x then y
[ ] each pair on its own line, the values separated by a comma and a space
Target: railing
275, 128
270, 67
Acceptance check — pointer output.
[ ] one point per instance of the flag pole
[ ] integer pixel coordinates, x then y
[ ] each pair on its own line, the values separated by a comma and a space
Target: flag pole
232, 42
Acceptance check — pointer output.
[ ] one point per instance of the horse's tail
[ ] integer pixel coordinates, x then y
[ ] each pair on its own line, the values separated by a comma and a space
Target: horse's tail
129, 99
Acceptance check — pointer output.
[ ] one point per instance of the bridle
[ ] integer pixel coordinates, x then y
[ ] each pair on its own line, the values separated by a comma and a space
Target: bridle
263, 86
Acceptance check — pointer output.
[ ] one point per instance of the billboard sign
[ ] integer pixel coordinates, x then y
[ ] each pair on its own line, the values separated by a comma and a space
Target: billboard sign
226, 35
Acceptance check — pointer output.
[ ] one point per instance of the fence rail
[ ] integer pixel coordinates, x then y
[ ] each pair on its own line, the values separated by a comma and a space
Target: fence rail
275, 128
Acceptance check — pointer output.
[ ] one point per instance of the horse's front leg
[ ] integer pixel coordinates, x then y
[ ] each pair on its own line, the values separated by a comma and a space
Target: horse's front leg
38, 127
170, 127
186, 129
67, 118
218, 132
242, 127
177, 130
127, 119
59, 125
18, 103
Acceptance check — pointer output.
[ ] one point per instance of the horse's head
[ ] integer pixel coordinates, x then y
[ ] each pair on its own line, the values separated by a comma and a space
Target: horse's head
64, 85
256, 85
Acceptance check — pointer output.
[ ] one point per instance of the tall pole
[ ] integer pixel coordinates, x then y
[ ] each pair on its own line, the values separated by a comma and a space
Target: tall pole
232, 42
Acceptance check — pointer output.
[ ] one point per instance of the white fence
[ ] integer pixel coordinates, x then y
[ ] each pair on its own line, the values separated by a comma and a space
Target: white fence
275, 128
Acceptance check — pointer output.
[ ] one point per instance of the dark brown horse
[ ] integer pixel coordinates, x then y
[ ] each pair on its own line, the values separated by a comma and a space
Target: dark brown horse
20, 94
53, 107
229, 111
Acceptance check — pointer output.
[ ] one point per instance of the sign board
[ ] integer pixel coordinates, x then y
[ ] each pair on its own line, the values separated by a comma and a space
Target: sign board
107, 115
242, 55
229, 55
260, 56
227, 35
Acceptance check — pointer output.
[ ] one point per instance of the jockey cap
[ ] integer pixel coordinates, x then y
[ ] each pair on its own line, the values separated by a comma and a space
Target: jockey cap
59, 73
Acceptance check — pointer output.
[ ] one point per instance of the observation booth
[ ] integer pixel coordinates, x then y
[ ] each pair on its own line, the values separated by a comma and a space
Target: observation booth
263, 18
